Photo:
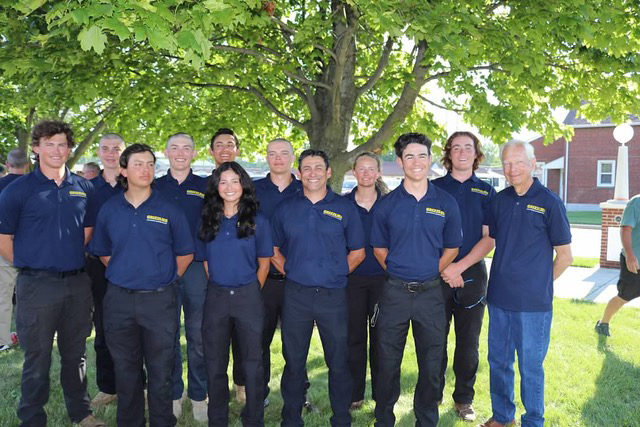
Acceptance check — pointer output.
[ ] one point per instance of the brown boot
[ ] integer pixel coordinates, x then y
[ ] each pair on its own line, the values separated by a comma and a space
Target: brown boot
493, 423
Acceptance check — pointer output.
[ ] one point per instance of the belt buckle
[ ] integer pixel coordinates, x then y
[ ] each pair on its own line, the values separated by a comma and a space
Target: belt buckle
414, 287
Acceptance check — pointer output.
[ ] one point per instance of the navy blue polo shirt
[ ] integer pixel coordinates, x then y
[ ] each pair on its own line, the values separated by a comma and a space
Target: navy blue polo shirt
416, 232
270, 196
47, 220
143, 242
473, 197
526, 229
233, 262
189, 196
318, 237
104, 191
8, 179
370, 266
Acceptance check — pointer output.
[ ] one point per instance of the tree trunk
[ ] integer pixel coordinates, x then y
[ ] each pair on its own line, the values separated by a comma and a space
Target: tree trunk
86, 143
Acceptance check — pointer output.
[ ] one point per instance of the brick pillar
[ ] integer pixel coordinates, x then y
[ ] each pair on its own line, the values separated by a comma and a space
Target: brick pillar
610, 244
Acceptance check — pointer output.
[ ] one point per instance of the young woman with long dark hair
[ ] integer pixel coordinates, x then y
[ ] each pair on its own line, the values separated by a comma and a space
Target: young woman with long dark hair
237, 246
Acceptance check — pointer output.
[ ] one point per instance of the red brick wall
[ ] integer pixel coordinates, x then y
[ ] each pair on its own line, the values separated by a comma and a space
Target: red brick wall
608, 220
585, 149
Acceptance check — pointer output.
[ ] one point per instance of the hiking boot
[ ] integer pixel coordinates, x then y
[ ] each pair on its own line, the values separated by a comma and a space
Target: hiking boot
603, 329
199, 409
103, 399
91, 421
465, 411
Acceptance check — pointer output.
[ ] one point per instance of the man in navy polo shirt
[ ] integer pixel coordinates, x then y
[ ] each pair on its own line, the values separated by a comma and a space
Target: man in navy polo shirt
324, 241
146, 244
17, 162
186, 191
278, 185
528, 223
46, 217
465, 279
110, 146
416, 233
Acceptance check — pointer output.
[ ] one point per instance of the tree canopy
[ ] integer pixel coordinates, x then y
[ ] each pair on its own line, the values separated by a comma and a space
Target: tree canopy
342, 75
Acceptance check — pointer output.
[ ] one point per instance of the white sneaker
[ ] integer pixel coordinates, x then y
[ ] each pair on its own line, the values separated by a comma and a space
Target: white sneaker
241, 395
200, 410
177, 407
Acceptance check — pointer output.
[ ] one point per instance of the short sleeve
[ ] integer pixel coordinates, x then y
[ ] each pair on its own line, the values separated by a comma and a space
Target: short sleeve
486, 204
452, 232
379, 230
559, 229
631, 214
277, 230
10, 209
354, 233
183, 243
490, 218
100, 244
264, 242
91, 213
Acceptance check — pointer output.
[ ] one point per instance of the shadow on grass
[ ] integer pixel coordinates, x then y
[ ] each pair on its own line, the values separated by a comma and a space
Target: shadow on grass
615, 402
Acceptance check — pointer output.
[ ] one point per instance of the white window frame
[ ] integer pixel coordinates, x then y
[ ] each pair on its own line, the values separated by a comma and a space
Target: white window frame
599, 182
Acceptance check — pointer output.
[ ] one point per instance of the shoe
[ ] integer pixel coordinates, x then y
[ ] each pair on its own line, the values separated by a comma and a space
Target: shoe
103, 399
199, 409
241, 394
465, 411
603, 329
5, 347
493, 423
265, 403
308, 406
177, 407
91, 421
356, 405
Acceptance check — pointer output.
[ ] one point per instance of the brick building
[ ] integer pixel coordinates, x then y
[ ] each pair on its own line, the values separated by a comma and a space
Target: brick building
582, 171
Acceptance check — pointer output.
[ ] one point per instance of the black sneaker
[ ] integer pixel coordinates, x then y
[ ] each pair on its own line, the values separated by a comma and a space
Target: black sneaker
603, 329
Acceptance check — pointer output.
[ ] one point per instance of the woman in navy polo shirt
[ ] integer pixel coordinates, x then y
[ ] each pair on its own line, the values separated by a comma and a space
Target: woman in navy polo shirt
237, 246
366, 281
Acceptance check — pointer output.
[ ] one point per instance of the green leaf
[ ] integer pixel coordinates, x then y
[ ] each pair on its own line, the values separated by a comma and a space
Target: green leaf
115, 25
92, 38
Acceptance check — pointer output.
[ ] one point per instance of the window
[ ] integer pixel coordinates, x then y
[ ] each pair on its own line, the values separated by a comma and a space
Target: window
606, 173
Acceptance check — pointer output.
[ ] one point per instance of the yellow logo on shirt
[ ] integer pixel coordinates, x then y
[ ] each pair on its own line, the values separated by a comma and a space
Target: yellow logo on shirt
77, 193
536, 209
158, 219
434, 211
195, 193
332, 214
479, 191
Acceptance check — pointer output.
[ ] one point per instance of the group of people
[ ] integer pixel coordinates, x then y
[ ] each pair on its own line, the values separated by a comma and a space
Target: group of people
239, 257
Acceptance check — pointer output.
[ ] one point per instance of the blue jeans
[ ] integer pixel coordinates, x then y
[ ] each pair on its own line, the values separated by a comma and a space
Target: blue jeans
191, 294
528, 334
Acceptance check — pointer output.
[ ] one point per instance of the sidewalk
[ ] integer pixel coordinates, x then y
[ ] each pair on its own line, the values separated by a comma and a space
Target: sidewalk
592, 284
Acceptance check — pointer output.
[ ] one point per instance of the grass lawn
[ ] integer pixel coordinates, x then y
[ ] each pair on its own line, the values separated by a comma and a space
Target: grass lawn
590, 382
581, 217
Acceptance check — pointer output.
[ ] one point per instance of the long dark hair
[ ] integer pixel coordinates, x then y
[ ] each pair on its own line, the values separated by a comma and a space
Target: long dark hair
213, 209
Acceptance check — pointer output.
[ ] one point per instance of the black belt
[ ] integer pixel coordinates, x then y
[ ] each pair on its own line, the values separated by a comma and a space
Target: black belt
276, 276
146, 291
415, 287
53, 274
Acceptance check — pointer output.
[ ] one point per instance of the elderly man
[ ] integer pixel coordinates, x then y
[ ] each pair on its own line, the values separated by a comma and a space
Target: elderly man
90, 170
528, 223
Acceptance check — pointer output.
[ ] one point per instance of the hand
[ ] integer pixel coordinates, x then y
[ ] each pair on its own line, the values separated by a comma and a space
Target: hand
632, 264
456, 282
451, 273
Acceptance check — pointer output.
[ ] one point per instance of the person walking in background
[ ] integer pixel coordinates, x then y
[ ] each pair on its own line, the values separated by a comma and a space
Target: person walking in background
236, 242
365, 284
465, 279
629, 281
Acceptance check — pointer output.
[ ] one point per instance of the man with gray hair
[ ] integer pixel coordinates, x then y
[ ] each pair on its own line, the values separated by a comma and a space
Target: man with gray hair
16, 165
186, 191
528, 223
90, 170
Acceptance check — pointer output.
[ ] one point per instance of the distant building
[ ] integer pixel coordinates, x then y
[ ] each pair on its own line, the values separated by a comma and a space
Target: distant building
582, 171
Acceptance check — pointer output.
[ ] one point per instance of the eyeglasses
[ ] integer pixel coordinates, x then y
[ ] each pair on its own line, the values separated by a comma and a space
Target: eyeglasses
456, 299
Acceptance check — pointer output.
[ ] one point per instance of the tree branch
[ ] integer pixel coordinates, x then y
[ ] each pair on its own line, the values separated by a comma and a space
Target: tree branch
287, 29
435, 104
382, 64
263, 99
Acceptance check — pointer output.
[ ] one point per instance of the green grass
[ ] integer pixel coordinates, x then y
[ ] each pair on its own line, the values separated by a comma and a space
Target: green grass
582, 217
590, 382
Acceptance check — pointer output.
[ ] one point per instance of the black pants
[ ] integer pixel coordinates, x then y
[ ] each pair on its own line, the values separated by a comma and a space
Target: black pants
141, 328
45, 306
363, 292
105, 375
327, 308
468, 324
425, 310
240, 309
273, 296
